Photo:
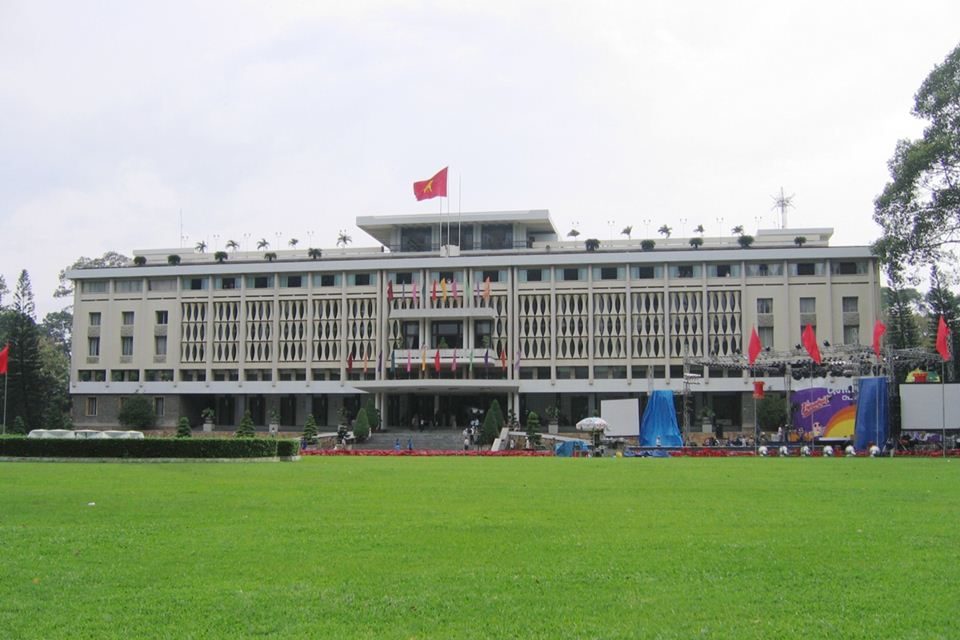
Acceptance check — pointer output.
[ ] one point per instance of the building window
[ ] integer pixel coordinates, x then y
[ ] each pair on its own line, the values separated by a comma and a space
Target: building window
326, 280
260, 282
851, 304
162, 284
128, 286
291, 282
848, 268
162, 317
126, 346
415, 239
94, 318
226, 283
446, 334
806, 269
127, 317
764, 269
158, 407
808, 305
194, 284
766, 337
405, 277
531, 275
685, 271
482, 333
361, 279
723, 270
764, 306
570, 274
93, 286
411, 335
496, 236
609, 273
645, 272
494, 276
91, 407
93, 347
160, 345
851, 334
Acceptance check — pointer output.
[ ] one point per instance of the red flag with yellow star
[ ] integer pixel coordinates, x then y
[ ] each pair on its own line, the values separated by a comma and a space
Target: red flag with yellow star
432, 188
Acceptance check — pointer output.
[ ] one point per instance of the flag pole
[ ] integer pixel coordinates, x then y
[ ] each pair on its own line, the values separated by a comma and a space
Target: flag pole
5, 376
459, 209
943, 406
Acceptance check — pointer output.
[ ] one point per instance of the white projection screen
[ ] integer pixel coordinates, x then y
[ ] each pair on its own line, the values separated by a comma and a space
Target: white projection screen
622, 416
922, 406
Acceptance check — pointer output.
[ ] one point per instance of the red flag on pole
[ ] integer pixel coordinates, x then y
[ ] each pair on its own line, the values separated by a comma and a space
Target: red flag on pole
943, 340
754, 350
432, 188
389, 290
433, 294
809, 340
758, 389
4, 359
350, 363
436, 361
878, 330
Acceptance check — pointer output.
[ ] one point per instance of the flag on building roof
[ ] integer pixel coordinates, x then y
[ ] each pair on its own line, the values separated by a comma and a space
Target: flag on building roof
755, 347
878, 330
943, 340
432, 188
809, 340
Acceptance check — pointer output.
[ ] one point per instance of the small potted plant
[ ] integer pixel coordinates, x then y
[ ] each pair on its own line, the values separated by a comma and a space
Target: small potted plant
274, 424
553, 418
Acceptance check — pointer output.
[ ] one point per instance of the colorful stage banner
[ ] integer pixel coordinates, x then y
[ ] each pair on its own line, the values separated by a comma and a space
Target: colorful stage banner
825, 413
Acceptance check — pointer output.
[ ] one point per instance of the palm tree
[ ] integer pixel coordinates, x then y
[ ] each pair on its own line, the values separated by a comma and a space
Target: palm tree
699, 229
573, 233
737, 230
592, 244
314, 253
627, 231
220, 256
270, 256
293, 243
343, 239
263, 244
201, 247
233, 245
665, 231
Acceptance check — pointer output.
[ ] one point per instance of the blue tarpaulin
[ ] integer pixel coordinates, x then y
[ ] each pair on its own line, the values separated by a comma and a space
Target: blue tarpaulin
566, 449
660, 420
872, 416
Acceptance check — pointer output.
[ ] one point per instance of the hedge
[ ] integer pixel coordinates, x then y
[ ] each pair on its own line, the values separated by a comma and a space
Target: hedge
20, 447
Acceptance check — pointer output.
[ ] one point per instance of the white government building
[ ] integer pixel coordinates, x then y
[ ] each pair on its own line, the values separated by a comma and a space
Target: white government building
450, 312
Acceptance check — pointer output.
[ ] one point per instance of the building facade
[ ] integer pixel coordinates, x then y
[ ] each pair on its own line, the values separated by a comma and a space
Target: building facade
450, 312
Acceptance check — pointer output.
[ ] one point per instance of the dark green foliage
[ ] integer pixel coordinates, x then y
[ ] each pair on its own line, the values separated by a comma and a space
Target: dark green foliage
220, 256
919, 209
942, 302
183, 428
140, 260
270, 256
245, 429
533, 429
648, 245
591, 244
310, 429
137, 413
800, 241
361, 426
373, 414
696, 243
26, 389
314, 253
745, 241
492, 423
173, 259
771, 411
902, 329
148, 448
109, 259
19, 426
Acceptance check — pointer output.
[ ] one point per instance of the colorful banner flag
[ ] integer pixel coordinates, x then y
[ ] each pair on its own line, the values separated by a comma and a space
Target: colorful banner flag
423, 359
414, 293
943, 340
471, 361
755, 346
516, 365
436, 361
432, 188
503, 358
433, 293
486, 358
809, 340
389, 290
454, 367
408, 360
350, 363
453, 288
878, 330
5, 359
486, 289
443, 287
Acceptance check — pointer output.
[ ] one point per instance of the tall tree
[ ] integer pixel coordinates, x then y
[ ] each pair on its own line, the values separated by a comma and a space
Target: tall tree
902, 329
3, 290
25, 388
919, 209
109, 259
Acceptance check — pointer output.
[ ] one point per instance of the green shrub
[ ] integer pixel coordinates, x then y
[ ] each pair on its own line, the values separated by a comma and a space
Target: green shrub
533, 429
492, 424
288, 448
183, 428
373, 414
246, 430
147, 448
361, 426
137, 413
19, 426
310, 429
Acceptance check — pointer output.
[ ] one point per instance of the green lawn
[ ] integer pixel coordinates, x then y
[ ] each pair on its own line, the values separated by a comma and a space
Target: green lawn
482, 547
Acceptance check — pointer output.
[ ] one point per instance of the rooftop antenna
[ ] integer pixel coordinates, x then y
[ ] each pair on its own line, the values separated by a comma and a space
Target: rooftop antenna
783, 202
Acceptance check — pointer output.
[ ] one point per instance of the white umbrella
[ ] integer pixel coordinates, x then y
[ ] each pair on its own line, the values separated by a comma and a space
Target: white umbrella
592, 424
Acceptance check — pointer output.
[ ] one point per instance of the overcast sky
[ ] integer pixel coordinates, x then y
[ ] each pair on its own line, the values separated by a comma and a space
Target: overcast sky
294, 118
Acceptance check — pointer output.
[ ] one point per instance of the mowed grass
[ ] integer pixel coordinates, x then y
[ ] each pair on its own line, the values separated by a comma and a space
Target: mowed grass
482, 548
